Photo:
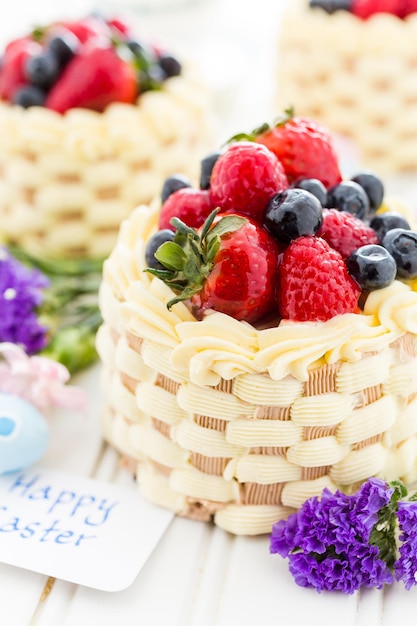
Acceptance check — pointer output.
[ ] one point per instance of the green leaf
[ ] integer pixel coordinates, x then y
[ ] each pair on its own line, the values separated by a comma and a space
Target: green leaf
171, 255
227, 224
208, 223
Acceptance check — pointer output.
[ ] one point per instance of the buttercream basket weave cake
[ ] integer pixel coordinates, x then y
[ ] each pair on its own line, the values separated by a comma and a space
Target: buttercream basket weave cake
238, 421
355, 71
85, 142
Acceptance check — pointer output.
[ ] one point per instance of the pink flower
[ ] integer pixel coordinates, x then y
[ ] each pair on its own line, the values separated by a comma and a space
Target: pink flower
39, 380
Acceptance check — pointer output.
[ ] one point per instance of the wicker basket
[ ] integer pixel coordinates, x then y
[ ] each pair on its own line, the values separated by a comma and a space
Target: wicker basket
67, 181
360, 80
269, 427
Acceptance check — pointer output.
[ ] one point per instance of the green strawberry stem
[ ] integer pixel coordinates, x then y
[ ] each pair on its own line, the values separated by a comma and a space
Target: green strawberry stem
189, 258
263, 128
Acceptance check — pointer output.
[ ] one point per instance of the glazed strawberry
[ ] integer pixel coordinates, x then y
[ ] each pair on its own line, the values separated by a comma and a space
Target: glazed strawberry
344, 232
230, 267
314, 284
96, 77
12, 73
192, 206
244, 178
304, 148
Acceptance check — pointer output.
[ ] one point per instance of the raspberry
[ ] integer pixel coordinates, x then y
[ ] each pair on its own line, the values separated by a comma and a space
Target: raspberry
314, 282
190, 205
344, 232
244, 178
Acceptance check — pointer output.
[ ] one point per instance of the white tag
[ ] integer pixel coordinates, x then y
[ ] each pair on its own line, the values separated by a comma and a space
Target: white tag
77, 529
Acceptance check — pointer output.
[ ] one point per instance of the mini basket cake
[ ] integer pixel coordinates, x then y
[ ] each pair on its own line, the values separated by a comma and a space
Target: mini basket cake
238, 422
68, 177
357, 76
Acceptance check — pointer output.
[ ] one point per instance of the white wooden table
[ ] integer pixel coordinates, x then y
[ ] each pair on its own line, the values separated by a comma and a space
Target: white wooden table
197, 575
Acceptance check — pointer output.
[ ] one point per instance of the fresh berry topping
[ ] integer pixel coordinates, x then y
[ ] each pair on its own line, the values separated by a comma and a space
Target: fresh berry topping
207, 165
42, 70
372, 267
402, 245
384, 222
160, 237
173, 183
95, 78
331, 6
191, 206
373, 187
229, 267
344, 232
293, 213
65, 46
314, 282
304, 147
12, 75
348, 196
29, 96
170, 65
366, 8
244, 178
314, 186
86, 29
86, 63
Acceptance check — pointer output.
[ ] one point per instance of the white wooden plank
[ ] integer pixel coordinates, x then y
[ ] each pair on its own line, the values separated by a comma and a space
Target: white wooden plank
259, 590
20, 591
162, 589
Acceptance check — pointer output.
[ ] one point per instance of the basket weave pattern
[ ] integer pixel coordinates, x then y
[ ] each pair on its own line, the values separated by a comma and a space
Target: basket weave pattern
360, 80
216, 453
66, 182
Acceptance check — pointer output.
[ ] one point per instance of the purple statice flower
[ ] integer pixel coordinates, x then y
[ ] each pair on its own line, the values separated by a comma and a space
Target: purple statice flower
406, 566
327, 541
20, 297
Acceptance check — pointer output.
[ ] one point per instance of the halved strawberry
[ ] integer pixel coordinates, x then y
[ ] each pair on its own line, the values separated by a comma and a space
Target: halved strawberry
96, 77
229, 266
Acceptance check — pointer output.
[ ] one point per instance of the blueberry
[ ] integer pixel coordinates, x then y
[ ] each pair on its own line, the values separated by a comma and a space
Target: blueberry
65, 46
207, 165
173, 183
293, 213
29, 96
331, 6
42, 69
402, 244
170, 65
348, 196
314, 186
373, 187
387, 221
372, 267
152, 246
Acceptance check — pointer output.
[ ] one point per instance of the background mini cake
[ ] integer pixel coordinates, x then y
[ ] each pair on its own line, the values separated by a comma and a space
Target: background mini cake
89, 130
357, 75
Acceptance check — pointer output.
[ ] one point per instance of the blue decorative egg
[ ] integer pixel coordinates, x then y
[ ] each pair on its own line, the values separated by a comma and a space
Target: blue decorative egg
24, 434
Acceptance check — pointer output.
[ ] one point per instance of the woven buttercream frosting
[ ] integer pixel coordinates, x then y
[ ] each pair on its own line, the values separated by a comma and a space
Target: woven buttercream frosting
67, 181
221, 420
358, 77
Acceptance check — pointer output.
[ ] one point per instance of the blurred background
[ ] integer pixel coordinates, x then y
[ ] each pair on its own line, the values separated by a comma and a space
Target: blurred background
233, 42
